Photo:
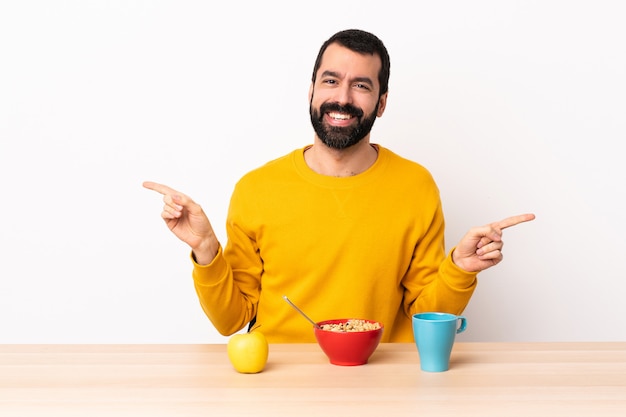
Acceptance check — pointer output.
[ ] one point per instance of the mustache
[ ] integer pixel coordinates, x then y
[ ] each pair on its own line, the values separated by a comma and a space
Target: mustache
345, 108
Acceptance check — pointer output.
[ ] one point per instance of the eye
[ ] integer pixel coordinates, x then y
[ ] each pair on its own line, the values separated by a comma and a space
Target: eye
362, 86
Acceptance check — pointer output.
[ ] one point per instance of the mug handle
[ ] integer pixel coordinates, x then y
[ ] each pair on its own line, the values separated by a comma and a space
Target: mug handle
462, 325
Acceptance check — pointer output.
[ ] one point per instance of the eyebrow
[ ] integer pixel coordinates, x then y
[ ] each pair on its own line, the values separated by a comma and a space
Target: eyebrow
335, 74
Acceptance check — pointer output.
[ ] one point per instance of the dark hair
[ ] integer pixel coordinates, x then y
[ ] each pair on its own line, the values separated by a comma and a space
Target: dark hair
364, 43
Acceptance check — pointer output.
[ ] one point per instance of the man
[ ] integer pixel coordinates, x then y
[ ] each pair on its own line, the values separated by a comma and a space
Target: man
344, 227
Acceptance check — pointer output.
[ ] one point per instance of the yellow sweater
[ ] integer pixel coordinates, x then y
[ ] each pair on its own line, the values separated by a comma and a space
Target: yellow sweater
369, 246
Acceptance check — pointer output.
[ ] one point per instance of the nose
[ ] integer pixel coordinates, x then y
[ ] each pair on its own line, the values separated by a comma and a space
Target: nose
344, 94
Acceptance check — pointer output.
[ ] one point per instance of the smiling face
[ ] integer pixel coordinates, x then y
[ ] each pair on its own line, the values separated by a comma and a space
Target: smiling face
344, 100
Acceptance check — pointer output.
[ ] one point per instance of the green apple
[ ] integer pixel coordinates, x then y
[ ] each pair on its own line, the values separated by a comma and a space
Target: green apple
248, 352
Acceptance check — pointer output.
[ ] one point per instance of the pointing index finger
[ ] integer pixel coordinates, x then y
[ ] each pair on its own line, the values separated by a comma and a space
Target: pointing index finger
159, 188
514, 220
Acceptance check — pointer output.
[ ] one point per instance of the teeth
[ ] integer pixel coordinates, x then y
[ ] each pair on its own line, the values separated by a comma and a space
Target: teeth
339, 116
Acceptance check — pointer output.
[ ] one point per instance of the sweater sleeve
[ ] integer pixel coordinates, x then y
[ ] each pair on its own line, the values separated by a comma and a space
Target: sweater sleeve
434, 282
457, 284
220, 298
229, 287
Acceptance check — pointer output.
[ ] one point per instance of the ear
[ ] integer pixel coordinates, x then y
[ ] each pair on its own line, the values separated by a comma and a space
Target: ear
382, 103
310, 92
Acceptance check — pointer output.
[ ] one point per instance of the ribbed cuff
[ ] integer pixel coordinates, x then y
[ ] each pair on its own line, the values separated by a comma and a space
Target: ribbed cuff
212, 273
456, 277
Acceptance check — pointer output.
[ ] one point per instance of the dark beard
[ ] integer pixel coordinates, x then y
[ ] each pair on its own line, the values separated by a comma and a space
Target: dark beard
341, 137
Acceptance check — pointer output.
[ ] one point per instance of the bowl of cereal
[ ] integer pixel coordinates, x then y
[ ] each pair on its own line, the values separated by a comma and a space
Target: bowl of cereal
348, 342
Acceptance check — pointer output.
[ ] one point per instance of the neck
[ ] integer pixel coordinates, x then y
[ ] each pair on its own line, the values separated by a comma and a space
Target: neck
340, 162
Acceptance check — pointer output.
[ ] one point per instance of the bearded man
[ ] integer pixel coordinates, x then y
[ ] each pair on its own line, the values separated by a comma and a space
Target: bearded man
343, 226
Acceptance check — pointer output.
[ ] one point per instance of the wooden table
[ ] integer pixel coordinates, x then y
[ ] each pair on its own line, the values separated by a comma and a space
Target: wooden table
485, 379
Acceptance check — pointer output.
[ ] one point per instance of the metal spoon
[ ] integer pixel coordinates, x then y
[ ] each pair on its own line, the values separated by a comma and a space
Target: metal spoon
301, 312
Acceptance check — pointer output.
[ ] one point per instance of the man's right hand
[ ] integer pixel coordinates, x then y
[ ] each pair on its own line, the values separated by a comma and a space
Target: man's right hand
187, 221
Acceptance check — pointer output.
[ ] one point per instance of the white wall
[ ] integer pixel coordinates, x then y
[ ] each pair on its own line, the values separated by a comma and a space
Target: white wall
514, 106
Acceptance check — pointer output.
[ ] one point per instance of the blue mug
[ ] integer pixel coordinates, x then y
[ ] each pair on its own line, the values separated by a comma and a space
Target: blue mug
434, 335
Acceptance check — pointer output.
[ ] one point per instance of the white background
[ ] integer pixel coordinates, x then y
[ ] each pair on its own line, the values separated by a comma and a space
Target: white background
514, 106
